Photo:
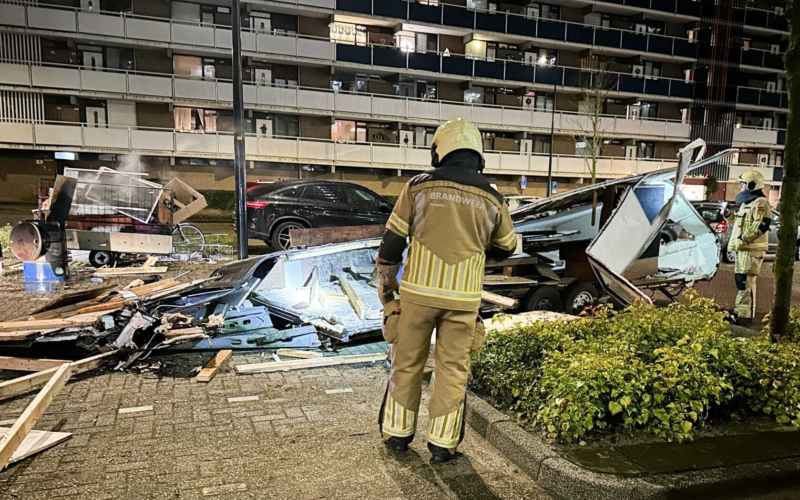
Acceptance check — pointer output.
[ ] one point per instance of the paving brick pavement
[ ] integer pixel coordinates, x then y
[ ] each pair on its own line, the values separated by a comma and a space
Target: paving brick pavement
295, 441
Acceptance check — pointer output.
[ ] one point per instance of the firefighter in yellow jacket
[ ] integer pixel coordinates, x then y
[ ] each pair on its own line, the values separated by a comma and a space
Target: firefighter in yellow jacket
453, 219
749, 241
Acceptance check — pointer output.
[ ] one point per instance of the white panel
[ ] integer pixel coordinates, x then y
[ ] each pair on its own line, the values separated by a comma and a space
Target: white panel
152, 140
353, 103
225, 91
487, 115
15, 74
620, 167
192, 35
195, 143
58, 135
569, 165
275, 148
312, 150
150, 85
510, 161
541, 119
743, 135
517, 117
16, 133
539, 163
422, 109
51, 19
310, 99
604, 166
121, 113
492, 161
145, 29
102, 81
251, 145
391, 155
315, 49
62, 78
353, 152
273, 44
111, 138
644, 166
576, 122
766, 137
682, 130
450, 111
222, 38
250, 94
276, 96
388, 107
97, 24
418, 156
225, 144
325, 4
653, 127
249, 41
625, 126
196, 89
12, 15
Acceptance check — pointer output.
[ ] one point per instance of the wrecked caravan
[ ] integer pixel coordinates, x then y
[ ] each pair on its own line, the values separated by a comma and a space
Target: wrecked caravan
623, 246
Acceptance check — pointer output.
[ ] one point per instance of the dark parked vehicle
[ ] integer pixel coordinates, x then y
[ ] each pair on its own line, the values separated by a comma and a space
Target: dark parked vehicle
275, 209
712, 213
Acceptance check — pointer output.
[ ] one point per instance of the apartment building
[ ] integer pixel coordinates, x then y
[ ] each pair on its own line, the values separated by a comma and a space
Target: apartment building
354, 89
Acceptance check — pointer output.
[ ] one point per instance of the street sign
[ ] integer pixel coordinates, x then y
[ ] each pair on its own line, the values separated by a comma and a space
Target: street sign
523, 183
555, 187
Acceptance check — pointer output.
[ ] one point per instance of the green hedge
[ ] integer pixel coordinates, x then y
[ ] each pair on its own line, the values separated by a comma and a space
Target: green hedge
663, 370
5, 239
220, 200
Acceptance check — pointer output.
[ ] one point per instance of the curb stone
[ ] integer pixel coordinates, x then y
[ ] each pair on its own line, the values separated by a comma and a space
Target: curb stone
567, 480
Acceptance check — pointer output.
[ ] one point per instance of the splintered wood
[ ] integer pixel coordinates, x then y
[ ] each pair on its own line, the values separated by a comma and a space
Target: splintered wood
295, 353
298, 364
504, 302
213, 366
147, 268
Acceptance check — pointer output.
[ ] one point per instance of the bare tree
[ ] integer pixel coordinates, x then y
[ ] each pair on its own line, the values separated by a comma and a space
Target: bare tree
592, 99
790, 191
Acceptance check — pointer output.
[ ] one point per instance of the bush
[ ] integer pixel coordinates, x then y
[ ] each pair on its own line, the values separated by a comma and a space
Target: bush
220, 200
663, 370
5, 239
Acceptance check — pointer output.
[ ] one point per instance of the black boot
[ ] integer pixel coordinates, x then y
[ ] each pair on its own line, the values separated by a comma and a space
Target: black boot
744, 321
398, 444
440, 455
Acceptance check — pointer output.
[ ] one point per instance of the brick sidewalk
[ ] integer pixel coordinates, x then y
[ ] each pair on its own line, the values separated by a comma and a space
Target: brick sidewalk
296, 441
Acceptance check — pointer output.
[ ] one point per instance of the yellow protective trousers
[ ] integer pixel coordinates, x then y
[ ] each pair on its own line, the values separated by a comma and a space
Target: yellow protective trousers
746, 269
456, 335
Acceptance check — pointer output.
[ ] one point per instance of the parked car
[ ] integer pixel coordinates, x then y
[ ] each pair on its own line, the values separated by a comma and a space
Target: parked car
712, 213
276, 208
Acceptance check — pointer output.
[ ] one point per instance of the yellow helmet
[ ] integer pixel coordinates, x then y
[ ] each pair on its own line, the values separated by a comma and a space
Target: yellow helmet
752, 180
453, 135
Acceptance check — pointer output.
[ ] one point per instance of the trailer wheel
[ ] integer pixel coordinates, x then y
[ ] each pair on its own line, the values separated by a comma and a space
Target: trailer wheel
579, 297
544, 298
100, 258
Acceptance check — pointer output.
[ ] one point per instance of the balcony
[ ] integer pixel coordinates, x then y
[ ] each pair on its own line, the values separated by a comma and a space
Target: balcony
758, 18
301, 100
762, 59
751, 136
166, 142
762, 97
517, 25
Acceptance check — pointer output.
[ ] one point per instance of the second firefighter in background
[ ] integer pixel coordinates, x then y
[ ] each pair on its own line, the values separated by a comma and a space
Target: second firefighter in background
749, 240
453, 219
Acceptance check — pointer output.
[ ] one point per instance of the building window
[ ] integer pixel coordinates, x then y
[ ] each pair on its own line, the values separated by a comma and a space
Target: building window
645, 150
348, 33
195, 120
349, 131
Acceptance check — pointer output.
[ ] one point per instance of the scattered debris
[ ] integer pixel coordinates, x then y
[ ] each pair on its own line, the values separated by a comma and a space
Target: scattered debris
339, 391
241, 399
213, 366
309, 363
28, 364
135, 409
146, 268
294, 353
504, 302
35, 442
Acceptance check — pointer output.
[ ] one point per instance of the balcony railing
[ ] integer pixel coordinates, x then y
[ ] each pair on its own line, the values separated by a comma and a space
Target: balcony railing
152, 141
762, 59
762, 97
759, 18
306, 100
321, 49
530, 28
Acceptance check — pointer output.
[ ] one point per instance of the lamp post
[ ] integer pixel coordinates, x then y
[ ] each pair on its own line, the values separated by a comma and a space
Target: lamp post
238, 134
552, 141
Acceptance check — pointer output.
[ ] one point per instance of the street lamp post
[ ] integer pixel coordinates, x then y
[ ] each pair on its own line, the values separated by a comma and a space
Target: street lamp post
552, 142
238, 134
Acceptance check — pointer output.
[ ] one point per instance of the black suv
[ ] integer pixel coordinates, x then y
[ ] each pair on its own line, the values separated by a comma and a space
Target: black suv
276, 208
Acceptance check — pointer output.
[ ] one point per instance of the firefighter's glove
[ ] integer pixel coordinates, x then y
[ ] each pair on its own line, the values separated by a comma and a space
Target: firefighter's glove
387, 282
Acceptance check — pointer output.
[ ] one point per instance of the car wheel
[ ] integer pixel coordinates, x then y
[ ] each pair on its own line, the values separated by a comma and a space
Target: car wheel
280, 239
579, 297
728, 256
545, 298
100, 258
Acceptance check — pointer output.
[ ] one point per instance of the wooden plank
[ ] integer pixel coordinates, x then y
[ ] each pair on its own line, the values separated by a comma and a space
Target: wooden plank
47, 324
511, 321
504, 302
125, 271
352, 296
299, 364
213, 366
177, 332
314, 237
35, 442
30, 364
520, 261
14, 437
21, 385
296, 353
498, 279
